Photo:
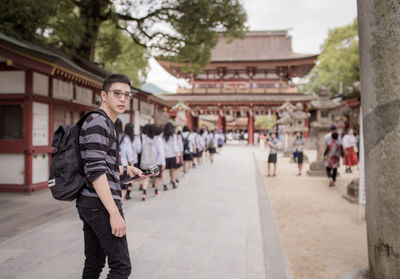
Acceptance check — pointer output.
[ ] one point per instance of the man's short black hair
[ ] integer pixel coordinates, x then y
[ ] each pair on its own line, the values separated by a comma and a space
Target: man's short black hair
114, 78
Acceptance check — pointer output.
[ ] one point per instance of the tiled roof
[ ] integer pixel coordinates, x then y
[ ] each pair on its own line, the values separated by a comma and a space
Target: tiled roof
256, 46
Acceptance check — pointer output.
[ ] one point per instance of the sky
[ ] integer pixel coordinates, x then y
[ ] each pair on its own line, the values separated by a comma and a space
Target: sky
308, 20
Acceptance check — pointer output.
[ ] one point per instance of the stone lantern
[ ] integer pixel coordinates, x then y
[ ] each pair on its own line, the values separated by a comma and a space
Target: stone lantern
324, 106
284, 124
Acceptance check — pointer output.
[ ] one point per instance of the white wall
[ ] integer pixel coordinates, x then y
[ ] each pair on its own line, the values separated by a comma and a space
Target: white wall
12, 167
40, 84
84, 94
63, 90
12, 82
40, 168
124, 118
40, 120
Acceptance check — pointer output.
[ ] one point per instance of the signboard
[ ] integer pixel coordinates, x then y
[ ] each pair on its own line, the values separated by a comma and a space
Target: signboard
40, 124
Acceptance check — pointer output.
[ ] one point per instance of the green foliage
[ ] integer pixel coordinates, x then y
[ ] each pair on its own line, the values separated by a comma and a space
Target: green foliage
265, 122
182, 30
119, 54
338, 62
26, 19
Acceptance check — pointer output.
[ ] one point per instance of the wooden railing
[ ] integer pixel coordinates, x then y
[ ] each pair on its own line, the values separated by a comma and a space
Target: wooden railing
237, 90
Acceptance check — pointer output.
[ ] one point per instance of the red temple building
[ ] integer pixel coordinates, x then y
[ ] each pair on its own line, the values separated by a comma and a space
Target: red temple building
246, 77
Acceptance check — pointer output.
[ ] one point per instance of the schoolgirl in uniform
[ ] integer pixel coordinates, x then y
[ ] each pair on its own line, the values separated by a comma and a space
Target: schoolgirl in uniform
125, 153
212, 145
180, 148
188, 148
172, 154
136, 148
152, 137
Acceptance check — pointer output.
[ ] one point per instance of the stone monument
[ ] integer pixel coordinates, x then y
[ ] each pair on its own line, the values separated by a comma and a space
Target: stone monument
379, 33
324, 106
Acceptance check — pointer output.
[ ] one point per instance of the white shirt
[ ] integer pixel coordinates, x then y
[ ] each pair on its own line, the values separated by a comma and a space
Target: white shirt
136, 148
171, 148
191, 140
180, 143
158, 144
349, 141
212, 138
125, 150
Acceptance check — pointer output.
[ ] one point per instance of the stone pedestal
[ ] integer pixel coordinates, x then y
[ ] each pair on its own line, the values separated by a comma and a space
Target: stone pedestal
317, 168
352, 191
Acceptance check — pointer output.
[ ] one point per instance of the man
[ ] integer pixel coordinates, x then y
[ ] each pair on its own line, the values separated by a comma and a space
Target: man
99, 203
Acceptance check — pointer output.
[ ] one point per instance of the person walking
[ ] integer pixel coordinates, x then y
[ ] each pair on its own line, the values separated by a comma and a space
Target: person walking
172, 155
212, 145
332, 155
152, 154
135, 143
349, 143
180, 148
99, 203
188, 148
125, 154
298, 147
273, 145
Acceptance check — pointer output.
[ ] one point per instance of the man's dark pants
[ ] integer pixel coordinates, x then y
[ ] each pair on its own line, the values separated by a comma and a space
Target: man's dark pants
101, 243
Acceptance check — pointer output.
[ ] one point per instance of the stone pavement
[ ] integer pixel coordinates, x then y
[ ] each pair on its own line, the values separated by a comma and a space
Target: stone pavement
207, 228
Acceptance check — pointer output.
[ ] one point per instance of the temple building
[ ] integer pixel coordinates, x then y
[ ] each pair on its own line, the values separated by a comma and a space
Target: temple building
246, 77
40, 89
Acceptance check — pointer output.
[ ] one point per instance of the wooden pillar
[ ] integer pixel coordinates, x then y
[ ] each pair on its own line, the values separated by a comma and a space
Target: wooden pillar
220, 122
196, 123
189, 120
28, 130
250, 127
224, 124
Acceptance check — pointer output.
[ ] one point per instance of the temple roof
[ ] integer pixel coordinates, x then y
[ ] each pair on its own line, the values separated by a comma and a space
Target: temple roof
257, 46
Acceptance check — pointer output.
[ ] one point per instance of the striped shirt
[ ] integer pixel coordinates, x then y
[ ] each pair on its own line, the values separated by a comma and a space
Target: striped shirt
98, 147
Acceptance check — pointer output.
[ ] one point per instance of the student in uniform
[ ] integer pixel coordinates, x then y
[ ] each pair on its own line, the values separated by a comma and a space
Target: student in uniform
180, 148
152, 140
212, 145
188, 148
125, 154
172, 154
134, 142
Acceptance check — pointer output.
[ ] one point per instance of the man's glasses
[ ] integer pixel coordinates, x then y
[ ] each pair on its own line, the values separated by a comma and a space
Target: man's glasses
118, 94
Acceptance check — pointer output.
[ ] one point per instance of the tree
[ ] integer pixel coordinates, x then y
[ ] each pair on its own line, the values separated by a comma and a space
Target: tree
266, 122
26, 19
338, 62
119, 54
184, 29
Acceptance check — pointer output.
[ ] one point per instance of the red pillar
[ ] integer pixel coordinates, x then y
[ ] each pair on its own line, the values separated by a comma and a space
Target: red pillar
250, 128
189, 120
196, 123
220, 123
28, 127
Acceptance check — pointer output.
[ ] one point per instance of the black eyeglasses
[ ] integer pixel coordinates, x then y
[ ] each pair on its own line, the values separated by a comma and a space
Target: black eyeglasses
118, 94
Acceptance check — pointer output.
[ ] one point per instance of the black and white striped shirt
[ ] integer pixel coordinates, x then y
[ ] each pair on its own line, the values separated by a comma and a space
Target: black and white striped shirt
98, 147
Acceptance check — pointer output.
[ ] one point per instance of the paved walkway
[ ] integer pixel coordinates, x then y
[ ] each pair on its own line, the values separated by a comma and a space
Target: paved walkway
207, 228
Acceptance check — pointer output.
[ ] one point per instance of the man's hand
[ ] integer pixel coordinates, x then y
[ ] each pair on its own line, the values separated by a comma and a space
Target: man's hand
132, 171
118, 225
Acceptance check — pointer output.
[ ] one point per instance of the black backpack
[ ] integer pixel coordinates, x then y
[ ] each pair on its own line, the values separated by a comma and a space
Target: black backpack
67, 177
186, 148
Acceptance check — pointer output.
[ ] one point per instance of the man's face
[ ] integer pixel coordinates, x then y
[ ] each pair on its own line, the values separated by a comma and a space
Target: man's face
115, 98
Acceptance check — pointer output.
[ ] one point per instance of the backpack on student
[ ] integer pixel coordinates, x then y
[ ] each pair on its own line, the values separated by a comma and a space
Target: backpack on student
186, 147
211, 143
67, 176
149, 155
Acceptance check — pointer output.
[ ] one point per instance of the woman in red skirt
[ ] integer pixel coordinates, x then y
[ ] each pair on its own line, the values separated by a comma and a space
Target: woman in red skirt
350, 150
